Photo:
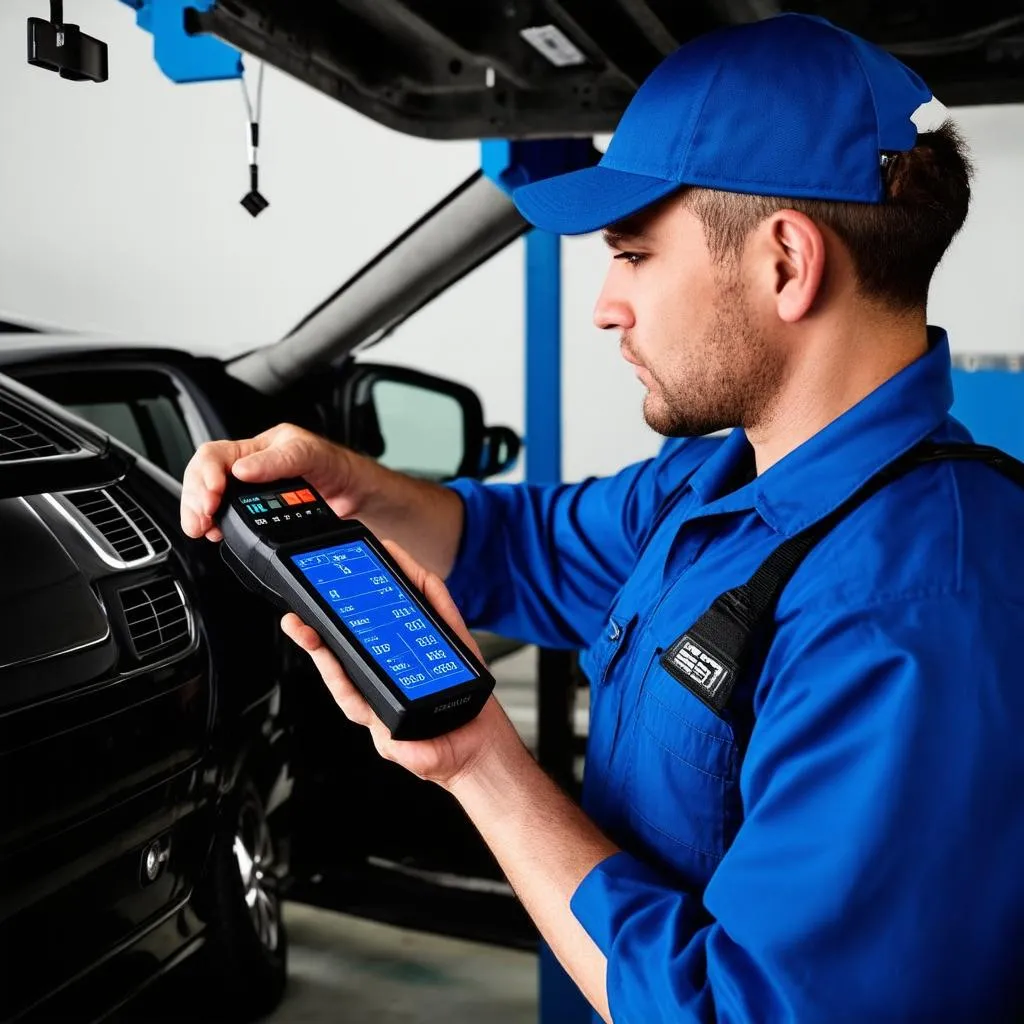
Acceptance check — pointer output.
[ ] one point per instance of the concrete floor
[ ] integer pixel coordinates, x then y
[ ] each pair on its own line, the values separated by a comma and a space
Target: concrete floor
343, 969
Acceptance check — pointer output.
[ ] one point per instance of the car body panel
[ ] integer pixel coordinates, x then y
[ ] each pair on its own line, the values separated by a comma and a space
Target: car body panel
117, 752
451, 71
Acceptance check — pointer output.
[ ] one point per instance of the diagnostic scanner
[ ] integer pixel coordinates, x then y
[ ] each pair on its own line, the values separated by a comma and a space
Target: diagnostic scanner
283, 541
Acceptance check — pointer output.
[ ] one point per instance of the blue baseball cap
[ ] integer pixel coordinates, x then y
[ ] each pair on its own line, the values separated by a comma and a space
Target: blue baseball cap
792, 106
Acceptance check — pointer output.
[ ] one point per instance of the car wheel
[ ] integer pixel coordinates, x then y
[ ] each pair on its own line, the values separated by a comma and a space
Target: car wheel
247, 951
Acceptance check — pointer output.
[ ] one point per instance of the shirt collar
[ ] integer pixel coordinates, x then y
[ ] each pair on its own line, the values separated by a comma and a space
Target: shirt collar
824, 471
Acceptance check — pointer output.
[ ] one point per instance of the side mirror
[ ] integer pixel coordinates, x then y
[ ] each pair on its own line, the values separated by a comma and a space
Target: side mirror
422, 425
500, 450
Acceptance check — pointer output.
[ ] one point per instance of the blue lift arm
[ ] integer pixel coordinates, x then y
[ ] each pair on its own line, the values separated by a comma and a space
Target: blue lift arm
180, 55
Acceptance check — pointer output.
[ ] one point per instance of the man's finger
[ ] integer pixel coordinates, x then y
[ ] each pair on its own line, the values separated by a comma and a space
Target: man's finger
269, 464
278, 455
204, 481
352, 703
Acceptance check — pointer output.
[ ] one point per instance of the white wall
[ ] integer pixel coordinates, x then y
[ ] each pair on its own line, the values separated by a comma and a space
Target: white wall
978, 292
119, 202
119, 214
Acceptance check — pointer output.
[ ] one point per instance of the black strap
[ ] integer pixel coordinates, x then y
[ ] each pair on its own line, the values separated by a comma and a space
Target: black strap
712, 655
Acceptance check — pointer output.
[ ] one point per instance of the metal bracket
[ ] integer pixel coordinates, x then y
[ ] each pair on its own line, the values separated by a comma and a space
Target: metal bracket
181, 55
510, 163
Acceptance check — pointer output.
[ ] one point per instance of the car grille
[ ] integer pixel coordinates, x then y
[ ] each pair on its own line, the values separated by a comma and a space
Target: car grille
126, 527
19, 440
157, 618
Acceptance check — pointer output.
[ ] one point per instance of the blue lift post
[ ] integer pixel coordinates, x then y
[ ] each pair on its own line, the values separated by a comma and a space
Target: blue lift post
543, 358
510, 164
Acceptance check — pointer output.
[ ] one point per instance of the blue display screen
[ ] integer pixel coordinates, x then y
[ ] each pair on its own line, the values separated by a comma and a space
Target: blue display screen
364, 594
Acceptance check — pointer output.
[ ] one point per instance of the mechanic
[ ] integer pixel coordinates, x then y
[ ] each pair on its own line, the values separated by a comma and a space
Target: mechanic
843, 840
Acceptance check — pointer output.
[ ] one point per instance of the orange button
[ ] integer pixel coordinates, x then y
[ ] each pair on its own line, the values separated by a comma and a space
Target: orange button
291, 498
305, 496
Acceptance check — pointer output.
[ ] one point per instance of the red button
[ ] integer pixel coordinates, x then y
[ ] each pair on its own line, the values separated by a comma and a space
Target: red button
291, 498
306, 496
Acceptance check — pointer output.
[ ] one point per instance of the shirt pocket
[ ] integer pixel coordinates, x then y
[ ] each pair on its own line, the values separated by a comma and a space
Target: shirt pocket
682, 785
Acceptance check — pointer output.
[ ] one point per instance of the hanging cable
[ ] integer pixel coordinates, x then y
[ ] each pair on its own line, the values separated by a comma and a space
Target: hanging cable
254, 201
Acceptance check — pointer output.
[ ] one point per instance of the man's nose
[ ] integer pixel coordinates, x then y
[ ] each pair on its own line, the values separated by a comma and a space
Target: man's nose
612, 310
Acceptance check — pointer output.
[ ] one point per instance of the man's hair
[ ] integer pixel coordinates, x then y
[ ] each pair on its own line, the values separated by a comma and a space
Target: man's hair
895, 245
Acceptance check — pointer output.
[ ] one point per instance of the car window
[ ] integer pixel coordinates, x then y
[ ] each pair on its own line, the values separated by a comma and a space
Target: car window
420, 428
151, 426
141, 408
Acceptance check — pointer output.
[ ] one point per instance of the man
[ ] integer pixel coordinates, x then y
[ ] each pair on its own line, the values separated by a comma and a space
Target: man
842, 840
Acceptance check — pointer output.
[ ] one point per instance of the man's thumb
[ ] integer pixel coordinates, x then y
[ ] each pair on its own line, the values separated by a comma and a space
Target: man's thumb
260, 466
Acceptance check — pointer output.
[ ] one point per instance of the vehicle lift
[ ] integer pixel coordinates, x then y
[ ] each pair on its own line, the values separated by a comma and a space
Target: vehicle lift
989, 389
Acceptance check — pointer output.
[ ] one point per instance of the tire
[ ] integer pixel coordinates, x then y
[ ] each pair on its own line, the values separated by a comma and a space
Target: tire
246, 953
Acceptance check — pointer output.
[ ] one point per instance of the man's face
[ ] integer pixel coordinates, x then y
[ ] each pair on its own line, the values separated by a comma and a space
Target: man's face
687, 324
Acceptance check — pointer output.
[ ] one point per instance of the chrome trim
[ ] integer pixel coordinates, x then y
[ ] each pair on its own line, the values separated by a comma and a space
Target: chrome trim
59, 457
445, 878
170, 659
190, 623
63, 652
90, 533
189, 617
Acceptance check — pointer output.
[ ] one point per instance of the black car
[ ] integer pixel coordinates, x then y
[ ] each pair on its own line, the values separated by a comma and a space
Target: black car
171, 768
142, 760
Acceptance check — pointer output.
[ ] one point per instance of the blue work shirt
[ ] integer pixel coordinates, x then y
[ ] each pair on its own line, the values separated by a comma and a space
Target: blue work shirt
846, 841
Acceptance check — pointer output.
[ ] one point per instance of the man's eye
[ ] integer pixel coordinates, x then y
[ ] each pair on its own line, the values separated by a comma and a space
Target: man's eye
634, 259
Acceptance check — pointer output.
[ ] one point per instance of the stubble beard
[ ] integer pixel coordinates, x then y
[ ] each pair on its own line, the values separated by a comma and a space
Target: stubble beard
729, 380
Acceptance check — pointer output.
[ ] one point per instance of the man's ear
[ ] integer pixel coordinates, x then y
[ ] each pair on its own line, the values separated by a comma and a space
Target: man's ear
797, 249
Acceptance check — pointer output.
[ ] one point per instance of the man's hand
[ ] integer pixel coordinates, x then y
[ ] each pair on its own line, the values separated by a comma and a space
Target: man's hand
443, 760
423, 516
282, 451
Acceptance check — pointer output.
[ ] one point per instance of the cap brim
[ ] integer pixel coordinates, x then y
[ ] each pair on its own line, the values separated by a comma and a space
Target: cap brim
589, 199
